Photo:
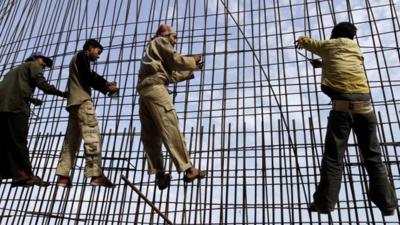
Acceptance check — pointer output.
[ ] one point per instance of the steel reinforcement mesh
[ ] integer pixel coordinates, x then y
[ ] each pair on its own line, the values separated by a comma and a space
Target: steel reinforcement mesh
254, 118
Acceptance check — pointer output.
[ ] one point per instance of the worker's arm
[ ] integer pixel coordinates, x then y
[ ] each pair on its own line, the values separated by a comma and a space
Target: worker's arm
312, 45
178, 76
38, 79
35, 101
316, 63
172, 60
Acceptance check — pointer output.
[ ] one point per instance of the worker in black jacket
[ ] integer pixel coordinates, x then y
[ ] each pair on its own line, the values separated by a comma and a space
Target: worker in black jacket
82, 121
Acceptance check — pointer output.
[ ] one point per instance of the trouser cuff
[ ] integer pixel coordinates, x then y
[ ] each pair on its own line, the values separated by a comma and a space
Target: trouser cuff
184, 167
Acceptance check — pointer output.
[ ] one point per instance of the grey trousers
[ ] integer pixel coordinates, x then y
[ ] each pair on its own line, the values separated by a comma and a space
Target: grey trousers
339, 126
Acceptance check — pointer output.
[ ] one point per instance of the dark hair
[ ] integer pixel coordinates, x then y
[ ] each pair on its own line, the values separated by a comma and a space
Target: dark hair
344, 30
92, 43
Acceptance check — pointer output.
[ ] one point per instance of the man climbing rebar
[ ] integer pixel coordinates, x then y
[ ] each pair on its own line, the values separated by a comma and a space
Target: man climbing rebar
16, 90
82, 121
162, 65
345, 82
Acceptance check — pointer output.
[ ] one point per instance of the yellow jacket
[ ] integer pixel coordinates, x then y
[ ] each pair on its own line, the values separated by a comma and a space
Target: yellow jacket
342, 64
161, 64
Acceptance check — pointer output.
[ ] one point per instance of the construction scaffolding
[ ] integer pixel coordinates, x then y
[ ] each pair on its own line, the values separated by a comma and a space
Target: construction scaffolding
254, 118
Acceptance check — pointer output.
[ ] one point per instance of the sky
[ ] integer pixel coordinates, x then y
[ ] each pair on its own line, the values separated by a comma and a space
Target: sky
255, 96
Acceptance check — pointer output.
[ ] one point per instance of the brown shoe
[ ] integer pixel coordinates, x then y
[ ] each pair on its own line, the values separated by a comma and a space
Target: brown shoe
102, 181
163, 180
193, 173
30, 181
64, 182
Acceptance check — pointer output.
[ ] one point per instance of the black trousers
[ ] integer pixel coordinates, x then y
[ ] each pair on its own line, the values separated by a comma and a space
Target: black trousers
338, 131
14, 155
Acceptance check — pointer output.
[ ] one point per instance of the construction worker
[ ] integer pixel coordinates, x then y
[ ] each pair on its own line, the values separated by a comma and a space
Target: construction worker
162, 65
82, 121
345, 82
16, 90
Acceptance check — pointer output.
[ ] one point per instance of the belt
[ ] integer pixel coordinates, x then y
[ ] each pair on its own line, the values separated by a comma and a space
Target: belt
352, 106
150, 81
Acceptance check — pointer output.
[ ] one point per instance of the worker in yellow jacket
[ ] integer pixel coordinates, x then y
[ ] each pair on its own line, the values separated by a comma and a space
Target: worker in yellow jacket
345, 82
162, 65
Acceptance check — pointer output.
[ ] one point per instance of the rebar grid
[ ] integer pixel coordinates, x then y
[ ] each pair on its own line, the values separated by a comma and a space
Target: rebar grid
254, 118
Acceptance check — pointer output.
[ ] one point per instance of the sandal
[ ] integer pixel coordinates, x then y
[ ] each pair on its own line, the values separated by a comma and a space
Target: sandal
199, 175
163, 180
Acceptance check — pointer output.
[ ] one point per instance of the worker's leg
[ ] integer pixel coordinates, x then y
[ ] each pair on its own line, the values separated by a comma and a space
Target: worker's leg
72, 142
339, 127
19, 154
162, 111
7, 165
91, 139
151, 139
381, 191
17, 125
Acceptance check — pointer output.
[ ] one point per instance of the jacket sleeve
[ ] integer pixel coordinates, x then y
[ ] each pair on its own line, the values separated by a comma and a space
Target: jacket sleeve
178, 76
41, 82
88, 76
314, 46
172, 60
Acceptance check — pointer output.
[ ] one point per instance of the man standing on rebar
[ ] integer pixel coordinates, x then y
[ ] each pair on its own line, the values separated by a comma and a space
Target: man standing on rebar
345, 82
82, 121
16, 90
162, 65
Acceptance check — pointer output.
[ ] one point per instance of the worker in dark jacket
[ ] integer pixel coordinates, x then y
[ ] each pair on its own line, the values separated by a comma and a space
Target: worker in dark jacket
82, 121
16, 90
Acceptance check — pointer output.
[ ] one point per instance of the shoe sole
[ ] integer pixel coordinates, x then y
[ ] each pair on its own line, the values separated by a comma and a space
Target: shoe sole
102, 185
64, 185
320, 211
387, 212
